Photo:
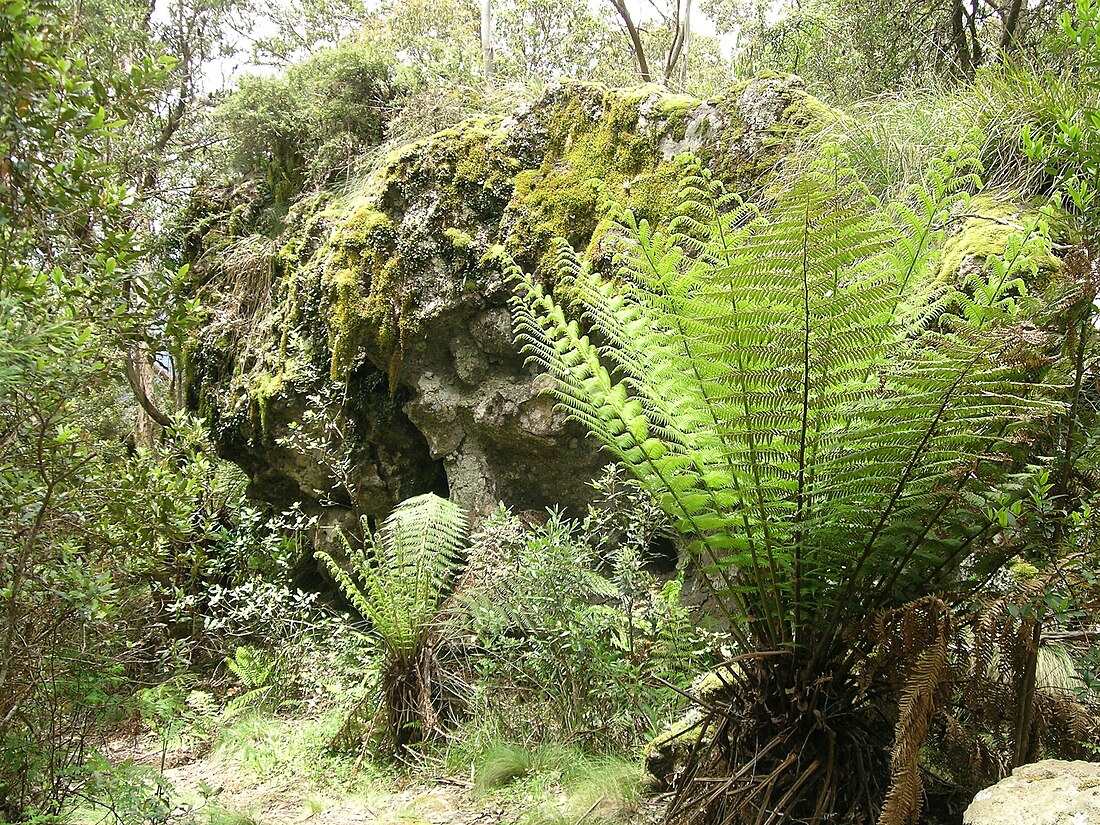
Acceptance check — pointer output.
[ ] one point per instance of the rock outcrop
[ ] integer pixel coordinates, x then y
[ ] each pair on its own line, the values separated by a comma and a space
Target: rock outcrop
358, 350
1051, 792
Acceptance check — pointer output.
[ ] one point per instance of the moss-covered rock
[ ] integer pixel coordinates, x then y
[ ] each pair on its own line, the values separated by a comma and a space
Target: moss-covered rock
384, 313
668, 754
985, 232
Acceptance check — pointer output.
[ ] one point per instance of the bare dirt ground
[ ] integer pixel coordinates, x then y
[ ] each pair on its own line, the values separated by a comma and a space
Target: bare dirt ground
242, 796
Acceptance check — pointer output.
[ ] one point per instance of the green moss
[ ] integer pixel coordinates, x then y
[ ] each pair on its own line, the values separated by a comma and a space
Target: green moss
1022, 571
459, 239
467, 163
360, 278
670, 105
595, 141
806, 114
711, 687
495, 256
262, 387
985, 233
683, 732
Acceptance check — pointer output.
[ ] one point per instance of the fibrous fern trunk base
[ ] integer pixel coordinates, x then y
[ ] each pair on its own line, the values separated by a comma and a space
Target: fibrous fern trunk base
420, 700
785, 746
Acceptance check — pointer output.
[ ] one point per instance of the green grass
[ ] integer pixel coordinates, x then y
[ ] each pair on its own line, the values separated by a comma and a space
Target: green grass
593, 790
892, 139
220, 816
500, 765
554, 783
267, 745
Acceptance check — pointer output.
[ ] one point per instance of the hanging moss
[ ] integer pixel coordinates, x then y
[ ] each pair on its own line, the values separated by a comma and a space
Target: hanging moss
264, 387
360, 277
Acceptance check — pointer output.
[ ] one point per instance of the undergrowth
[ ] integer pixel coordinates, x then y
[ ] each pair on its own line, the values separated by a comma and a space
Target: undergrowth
558, 783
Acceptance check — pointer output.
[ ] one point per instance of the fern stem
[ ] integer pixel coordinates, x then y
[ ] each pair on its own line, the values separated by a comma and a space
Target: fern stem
800, 497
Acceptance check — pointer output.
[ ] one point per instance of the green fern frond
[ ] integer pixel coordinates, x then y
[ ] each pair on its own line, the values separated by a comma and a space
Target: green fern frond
398, 578
774, 377
251, 665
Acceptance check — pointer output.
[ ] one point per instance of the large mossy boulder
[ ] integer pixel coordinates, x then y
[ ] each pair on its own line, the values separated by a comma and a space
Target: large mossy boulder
358, 349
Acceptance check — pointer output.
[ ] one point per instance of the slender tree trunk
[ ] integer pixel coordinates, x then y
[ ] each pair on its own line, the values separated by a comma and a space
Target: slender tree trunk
1011, 24
145, 427
1025, 711
958, 40
975, 42
635, 41
139, 372
686, 51
677, 55
487, 40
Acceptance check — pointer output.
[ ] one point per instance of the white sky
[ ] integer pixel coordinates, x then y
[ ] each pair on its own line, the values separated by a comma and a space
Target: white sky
222, 73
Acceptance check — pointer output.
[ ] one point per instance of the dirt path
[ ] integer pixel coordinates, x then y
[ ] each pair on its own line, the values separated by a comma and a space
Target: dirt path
261, 774
242, 797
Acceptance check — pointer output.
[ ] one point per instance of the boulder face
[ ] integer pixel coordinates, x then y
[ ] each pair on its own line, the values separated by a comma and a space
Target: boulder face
1051, 792
357, 349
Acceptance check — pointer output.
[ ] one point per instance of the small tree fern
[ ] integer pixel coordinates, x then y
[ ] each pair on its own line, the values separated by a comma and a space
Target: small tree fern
396, 581
799, 393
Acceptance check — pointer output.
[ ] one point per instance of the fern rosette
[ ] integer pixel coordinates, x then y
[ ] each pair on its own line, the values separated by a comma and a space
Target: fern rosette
396, 581
823, 419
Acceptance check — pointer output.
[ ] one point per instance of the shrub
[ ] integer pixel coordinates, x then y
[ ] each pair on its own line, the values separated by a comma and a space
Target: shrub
565, 653
313, 124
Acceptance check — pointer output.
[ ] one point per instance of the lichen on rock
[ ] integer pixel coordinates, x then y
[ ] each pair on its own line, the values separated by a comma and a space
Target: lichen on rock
391, 302
1051, 792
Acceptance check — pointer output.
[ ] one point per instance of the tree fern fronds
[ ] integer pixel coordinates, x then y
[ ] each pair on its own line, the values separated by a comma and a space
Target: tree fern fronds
649, 259
698, 330
819, 416
398, 578
592, 396
396, 581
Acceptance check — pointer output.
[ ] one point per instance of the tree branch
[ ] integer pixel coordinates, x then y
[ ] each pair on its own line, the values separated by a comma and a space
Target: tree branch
142, 397
635, 40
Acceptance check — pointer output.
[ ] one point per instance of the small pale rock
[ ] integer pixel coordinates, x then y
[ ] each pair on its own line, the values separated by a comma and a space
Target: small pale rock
1051, 792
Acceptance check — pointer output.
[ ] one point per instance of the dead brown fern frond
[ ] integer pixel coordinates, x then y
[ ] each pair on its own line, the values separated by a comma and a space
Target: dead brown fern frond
975, 737
928, 619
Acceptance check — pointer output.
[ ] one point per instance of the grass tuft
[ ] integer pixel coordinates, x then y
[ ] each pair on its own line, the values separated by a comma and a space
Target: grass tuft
220, 816
501, 765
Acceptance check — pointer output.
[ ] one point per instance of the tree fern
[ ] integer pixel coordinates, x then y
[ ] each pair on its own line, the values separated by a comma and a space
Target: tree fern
396, 581
259, 676
784, 380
